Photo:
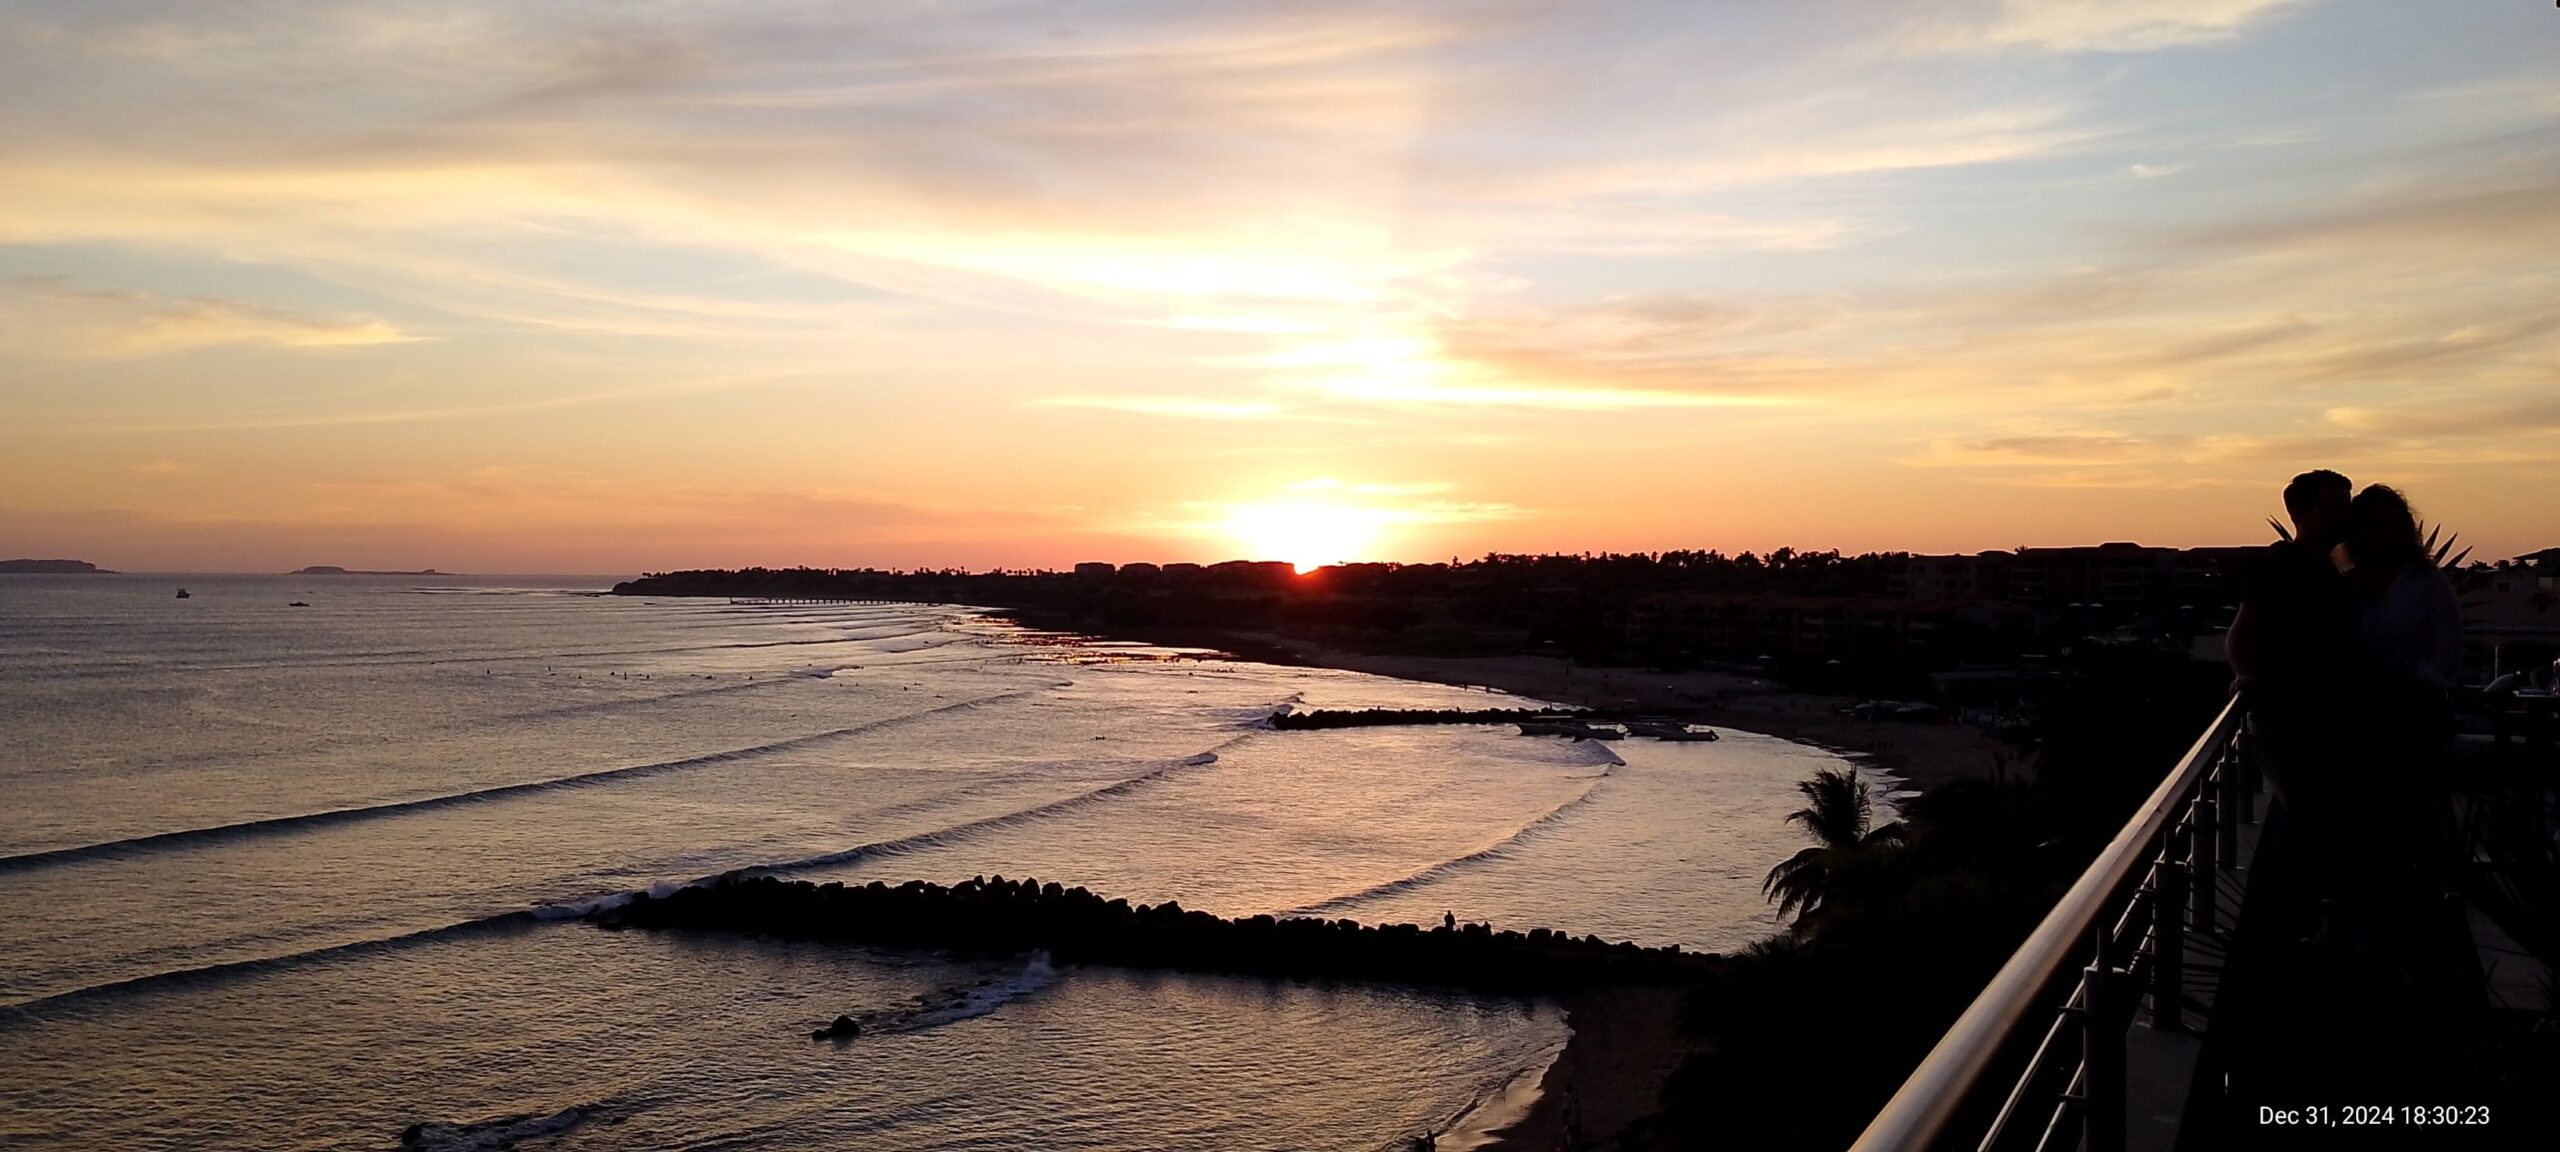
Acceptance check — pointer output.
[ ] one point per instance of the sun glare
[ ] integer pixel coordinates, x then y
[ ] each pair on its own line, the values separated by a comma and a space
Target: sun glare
1307, 535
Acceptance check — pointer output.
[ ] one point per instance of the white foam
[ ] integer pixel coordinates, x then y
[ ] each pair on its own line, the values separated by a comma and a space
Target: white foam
574, 909
954, 1005
490, 1135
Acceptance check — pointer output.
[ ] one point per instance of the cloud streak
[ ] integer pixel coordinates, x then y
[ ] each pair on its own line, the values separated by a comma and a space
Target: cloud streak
50, 317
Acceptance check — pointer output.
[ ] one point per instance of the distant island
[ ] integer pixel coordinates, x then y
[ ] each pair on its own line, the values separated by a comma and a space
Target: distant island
52, 568
334, 570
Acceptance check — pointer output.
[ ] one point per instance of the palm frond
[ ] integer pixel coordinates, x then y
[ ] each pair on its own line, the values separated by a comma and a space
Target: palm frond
2435, 552
2282, 532
1797, 883
1837, 808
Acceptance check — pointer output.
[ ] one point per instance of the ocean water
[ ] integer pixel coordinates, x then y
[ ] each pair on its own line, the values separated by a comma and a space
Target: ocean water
286, 877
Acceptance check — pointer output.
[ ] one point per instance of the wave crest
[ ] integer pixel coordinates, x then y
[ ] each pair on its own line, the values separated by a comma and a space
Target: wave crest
1493, 851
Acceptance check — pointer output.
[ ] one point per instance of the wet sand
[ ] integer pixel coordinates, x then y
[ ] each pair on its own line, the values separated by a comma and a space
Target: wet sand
1626, 1043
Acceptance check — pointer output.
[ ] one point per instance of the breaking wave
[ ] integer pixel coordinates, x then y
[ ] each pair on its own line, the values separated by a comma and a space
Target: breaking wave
1493, 851
279, 824
575, 909
226, 968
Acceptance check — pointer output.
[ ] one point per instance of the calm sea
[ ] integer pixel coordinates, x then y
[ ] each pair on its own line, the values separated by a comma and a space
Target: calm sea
279, 877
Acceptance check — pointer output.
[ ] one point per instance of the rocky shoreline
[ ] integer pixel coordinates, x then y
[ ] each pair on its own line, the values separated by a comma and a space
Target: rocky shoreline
996, 916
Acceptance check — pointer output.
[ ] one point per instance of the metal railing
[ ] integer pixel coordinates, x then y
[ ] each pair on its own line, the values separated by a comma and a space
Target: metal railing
2074, 987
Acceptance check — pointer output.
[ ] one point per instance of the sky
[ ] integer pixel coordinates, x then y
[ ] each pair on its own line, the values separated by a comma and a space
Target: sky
633, 286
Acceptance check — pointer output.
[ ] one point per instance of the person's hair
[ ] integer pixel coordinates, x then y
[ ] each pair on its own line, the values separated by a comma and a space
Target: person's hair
2308, 488
2381, 528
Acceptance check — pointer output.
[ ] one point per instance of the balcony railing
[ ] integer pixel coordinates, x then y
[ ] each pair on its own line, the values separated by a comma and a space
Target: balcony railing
2118, 939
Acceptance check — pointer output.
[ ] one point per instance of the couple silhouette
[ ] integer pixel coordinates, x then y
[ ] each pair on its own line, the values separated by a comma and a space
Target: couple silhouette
2347, 648
2348, 631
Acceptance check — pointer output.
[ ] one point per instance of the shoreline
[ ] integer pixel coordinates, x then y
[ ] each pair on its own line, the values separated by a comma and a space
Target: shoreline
1920, 754
1508, 1105
1622, 1045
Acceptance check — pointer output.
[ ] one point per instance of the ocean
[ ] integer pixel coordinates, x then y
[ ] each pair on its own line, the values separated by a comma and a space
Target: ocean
308, 877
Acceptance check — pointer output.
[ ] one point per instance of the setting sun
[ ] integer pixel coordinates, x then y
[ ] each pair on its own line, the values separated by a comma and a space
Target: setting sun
1309, 536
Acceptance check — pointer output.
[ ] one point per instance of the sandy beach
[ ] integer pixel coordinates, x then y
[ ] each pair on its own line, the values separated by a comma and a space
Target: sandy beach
1626, 1043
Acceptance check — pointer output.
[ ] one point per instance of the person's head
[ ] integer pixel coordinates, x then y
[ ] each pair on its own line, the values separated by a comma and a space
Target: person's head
2382, 531
2317, 501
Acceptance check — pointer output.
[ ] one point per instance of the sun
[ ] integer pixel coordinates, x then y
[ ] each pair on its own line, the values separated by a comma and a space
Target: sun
1307, 535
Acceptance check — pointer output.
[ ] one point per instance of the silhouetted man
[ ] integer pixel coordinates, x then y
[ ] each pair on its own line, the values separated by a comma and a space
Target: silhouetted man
2293, 650
2293, 645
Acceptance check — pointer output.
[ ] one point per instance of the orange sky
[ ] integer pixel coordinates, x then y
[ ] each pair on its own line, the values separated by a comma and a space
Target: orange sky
598, 288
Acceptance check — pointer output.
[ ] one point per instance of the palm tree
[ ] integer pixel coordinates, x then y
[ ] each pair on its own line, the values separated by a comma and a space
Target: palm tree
1836, 814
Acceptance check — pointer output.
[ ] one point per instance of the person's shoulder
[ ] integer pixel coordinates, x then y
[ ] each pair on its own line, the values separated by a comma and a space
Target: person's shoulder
2288, 549
2284, 559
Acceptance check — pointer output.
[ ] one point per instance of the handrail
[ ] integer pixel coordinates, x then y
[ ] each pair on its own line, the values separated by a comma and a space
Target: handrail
1919, 1112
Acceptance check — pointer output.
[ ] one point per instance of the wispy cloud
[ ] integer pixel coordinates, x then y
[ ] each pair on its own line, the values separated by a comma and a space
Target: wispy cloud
1180, 407
51, 317
2073, 26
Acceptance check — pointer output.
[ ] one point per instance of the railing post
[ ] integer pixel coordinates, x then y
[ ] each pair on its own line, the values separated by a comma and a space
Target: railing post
2210, 828
2238, 800
2102, 1050
2247, 790
2168, 946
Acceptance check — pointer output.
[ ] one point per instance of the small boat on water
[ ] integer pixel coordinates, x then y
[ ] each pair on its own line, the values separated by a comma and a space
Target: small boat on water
182, 593
299, 604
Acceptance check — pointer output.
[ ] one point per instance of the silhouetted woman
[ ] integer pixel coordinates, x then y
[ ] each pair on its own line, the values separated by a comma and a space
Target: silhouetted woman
2411, 640
2409, 652
2409, 648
